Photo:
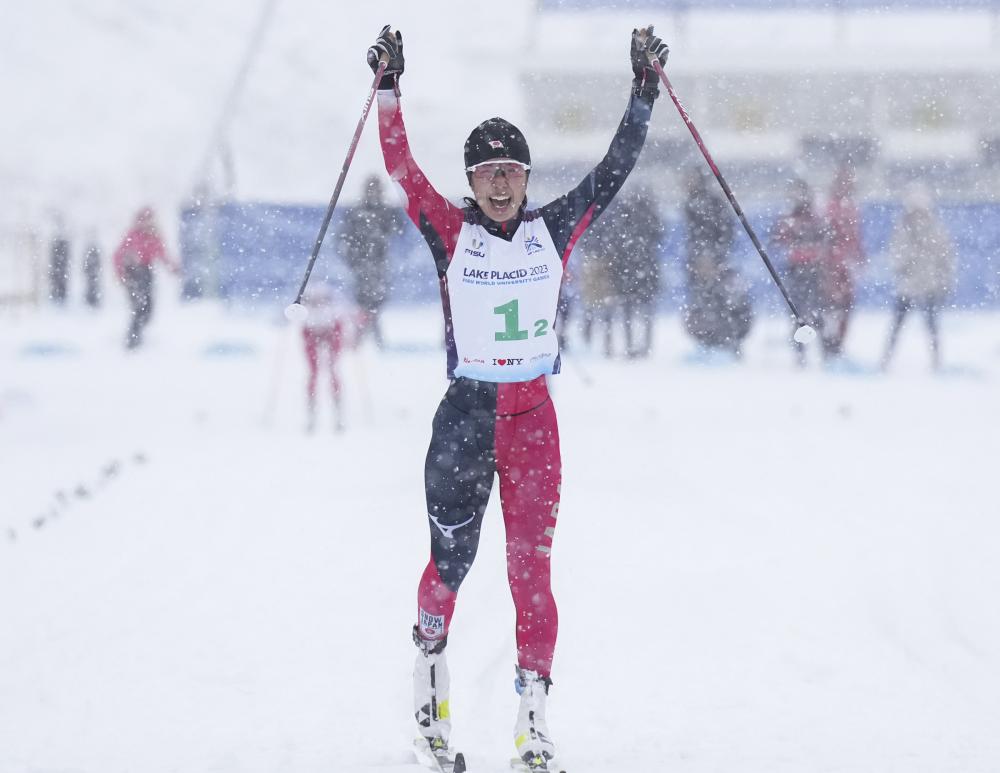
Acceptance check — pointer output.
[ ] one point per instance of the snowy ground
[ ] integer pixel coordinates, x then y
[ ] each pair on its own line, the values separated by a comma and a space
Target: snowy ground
759, 570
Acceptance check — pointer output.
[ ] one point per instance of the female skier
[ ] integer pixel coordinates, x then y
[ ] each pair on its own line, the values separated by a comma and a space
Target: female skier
500, 268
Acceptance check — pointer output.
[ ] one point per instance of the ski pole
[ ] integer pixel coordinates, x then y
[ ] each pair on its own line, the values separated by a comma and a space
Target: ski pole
803, 332
295, 311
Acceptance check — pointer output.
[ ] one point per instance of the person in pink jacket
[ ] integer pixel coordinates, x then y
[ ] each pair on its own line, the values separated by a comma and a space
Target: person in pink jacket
133, 262
802, 235
843, 257
323, 336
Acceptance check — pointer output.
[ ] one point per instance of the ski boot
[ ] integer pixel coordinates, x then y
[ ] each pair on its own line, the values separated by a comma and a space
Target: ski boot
430, 692
531, 733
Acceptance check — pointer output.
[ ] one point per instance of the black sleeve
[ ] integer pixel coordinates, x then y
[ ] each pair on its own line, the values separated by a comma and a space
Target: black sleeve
569, 216
350, 237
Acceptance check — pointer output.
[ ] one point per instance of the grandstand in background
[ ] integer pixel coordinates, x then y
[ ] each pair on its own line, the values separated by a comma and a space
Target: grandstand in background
781, 88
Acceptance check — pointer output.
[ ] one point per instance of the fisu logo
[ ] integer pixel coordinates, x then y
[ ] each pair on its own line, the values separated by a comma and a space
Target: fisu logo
476, 250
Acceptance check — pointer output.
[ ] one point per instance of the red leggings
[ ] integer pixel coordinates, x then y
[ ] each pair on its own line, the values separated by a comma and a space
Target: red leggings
472, 441
316, 340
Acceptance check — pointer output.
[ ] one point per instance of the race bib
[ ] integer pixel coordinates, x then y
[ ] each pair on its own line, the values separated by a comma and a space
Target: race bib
503, 298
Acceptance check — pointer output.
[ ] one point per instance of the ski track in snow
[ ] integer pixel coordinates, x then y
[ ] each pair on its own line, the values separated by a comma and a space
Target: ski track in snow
758, 570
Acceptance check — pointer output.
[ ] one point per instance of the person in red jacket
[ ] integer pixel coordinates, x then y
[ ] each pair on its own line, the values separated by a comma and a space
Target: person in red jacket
133, 261
802, 235
843, 258
323, 335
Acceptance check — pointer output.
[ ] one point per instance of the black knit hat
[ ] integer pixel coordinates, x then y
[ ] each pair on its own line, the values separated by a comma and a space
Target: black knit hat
496, 138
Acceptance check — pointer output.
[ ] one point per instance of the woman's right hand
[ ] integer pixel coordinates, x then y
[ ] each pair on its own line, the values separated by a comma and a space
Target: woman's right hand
388, 47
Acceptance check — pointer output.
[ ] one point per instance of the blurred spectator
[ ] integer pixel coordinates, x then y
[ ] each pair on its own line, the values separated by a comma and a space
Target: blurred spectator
367, 231
200, 229
843, 257
92, 271
923, 263
133, 262
597, 293
635, 230
323, 335
566, 308
58, 262
718, 313
802, 235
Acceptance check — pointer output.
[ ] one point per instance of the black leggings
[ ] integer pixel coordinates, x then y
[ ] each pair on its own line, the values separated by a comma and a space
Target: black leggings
903, 306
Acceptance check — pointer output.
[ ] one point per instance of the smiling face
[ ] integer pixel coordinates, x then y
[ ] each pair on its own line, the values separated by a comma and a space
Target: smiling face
499, 187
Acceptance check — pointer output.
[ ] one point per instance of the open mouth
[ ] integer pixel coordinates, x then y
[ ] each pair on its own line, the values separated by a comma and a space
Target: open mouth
500, 203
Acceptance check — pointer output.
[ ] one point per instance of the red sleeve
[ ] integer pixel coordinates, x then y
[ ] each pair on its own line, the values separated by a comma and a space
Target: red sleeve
159, 252
118, 259
437, 218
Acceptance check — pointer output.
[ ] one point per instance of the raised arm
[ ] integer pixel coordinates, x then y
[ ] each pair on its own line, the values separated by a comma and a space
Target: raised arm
437, 218
570, 215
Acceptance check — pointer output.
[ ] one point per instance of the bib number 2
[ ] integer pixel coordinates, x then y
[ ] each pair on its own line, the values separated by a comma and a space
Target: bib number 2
511, 331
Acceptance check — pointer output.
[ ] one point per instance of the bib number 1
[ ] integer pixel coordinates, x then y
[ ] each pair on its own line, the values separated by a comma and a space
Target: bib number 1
511, 332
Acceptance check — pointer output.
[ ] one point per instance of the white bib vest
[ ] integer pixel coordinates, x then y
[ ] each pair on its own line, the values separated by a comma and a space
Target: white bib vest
503, 298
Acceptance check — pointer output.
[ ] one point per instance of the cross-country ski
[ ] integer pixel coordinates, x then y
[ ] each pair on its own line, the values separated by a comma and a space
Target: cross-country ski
440, 759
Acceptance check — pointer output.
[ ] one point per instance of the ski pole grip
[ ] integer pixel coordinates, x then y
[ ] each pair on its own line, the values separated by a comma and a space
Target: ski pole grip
384, 56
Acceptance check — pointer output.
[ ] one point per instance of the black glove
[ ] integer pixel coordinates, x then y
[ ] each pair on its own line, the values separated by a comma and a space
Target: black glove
646, 81
389, 45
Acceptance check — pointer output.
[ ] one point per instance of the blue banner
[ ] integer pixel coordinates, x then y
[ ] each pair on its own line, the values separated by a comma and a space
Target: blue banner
257, 253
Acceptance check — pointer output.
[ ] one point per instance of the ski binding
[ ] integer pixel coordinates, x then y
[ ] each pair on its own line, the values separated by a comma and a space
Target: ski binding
440, 760
536, 765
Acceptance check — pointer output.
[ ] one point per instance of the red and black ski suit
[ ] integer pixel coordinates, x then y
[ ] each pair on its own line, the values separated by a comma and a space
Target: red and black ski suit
483, 428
